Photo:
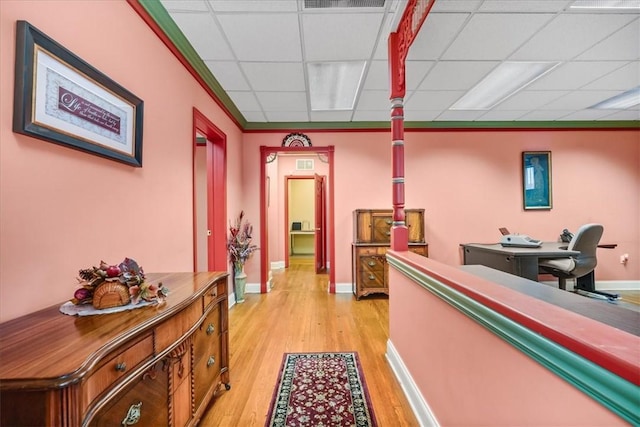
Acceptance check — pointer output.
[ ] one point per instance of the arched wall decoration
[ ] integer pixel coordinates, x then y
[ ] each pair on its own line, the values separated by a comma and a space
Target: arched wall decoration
271, 157
296, 140
323, 157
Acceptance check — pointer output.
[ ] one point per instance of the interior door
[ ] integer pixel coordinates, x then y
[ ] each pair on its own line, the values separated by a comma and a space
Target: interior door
320, 225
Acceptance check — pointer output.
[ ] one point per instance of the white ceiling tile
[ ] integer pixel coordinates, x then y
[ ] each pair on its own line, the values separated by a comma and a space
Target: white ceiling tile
331, 116
436, 34
248, 36
623, 79
456, 75
252, 6
432, 99
573, 75
623, 115
570, 35
624, 44
459, 115
415, 71
245, 101
287, 116
185, 5
374, 100
254, 116
579, 100
271, 76
545, 115
421, 115
377, 76
344, 36
456, 5
200, 29
590, 114
494, 36
524, 5
371, 116
228, 74
282, 101
529, 100
493, 116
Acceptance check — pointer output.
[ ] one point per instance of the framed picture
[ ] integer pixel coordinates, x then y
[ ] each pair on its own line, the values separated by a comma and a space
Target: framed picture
536, 179
61, 99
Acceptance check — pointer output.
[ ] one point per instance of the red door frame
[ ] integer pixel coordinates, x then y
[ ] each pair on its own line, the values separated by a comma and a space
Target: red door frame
216, 190
265, 152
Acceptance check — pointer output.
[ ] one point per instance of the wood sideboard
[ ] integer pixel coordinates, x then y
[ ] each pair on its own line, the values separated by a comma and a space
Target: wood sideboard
372, 239
151, 366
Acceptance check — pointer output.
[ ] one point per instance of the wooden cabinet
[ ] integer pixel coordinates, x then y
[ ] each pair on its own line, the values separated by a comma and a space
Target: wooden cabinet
151, 366
372, 239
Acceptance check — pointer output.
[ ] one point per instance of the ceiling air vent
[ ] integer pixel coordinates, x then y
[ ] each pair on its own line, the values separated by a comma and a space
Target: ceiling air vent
330, 4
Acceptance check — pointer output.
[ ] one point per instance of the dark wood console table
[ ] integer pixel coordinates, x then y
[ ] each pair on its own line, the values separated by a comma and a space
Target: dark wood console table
151, 366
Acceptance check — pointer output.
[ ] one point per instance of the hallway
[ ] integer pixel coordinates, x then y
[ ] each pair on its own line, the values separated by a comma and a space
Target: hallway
298, 315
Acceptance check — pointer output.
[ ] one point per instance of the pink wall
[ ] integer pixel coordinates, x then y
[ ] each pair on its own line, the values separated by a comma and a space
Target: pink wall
62, 210
469, 376
469, 184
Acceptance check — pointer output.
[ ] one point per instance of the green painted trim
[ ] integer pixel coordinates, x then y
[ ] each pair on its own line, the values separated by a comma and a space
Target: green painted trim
161, 17
612, 125
608, 389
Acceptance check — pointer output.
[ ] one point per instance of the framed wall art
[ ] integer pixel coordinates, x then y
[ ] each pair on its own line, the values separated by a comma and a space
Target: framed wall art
60, 98
536, 180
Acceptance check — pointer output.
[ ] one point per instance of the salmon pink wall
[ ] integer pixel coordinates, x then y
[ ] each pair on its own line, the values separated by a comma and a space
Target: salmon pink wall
62, 210
469, 184
470, 377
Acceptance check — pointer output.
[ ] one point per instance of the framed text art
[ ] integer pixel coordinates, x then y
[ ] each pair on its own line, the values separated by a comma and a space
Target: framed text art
536, 179
61, 99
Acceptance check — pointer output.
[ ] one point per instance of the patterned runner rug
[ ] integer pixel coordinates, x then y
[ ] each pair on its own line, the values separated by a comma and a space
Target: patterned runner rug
321, 389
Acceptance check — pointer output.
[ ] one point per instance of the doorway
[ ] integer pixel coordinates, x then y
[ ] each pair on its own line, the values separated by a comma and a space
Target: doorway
305, 219
209, 184
271, 221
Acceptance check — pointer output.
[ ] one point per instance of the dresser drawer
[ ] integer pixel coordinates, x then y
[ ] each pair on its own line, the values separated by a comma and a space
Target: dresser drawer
373, 279
210, 296
372, 263
208, 334
145, 400
118, 366
207, 370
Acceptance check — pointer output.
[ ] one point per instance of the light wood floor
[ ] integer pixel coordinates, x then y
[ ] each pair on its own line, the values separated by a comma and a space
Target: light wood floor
299, 315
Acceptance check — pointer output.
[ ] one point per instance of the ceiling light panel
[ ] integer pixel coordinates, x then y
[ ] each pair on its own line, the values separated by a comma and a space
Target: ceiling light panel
628, 99
334, 85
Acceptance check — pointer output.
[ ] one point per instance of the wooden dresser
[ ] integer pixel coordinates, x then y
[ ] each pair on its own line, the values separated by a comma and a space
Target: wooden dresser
372, 239
152, 366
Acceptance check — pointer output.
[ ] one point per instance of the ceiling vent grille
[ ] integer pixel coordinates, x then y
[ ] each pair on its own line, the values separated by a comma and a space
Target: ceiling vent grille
331, 4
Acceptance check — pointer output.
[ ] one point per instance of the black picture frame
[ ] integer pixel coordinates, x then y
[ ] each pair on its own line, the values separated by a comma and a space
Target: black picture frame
60, 98
536, 180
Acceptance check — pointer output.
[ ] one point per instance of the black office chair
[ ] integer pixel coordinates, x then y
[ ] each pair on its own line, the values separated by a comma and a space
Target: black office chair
586, 241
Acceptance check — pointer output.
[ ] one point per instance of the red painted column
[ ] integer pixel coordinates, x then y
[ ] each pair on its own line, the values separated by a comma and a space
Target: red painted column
412, 19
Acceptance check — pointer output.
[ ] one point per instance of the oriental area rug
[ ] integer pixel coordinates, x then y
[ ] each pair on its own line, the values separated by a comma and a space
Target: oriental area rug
320, 390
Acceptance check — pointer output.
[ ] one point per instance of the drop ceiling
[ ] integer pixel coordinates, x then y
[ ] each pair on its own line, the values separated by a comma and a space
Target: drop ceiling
257, 52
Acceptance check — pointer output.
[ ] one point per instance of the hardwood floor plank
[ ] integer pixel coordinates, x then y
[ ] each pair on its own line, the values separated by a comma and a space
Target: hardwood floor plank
299, 315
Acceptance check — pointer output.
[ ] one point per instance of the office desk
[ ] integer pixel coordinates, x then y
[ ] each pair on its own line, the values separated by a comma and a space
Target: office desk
299, 234
521, 262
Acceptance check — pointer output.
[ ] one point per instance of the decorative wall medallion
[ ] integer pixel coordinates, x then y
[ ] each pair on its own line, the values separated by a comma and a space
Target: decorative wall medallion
271, 157
296, 140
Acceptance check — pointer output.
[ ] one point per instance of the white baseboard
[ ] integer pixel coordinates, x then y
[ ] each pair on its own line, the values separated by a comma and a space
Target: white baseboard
344, 288
618, 285
277, 265
420, 407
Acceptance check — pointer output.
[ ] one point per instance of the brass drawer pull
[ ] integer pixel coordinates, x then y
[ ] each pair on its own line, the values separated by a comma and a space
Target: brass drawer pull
371, 263
121, 367
133, 415
211, 361
388, 221
388, 233
210, 329
372, 277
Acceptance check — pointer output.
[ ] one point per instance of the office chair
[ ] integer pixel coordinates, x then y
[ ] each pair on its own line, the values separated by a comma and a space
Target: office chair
586, 241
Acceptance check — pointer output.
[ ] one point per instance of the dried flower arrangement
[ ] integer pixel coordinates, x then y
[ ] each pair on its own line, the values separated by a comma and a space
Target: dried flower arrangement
115, 285
239, 243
